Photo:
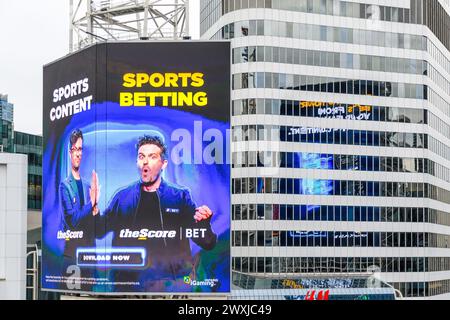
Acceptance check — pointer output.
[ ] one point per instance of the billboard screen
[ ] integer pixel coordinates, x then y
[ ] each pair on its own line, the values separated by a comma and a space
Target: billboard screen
136, 174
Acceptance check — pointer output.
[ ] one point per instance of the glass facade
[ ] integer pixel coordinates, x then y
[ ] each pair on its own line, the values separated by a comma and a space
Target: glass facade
426, 12
341, 137
347, 162
311, 212
328, 59
329, 7
6, 124
283, 29
331, 110
31, 145
18, 142
271, 80
329, 136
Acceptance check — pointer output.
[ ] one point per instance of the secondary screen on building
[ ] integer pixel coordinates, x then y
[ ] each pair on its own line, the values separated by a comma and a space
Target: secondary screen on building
136, 174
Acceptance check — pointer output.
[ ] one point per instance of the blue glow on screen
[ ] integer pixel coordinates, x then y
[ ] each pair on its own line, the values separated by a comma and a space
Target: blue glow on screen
313, 160
317, 187
312, 186
109, 143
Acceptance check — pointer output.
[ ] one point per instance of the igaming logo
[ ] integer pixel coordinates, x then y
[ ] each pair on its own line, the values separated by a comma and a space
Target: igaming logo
206, 282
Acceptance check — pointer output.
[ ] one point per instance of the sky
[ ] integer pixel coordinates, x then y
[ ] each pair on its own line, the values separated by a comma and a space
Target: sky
31, 36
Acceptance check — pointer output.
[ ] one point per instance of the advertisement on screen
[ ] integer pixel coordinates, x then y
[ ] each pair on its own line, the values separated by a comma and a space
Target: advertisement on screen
136, 169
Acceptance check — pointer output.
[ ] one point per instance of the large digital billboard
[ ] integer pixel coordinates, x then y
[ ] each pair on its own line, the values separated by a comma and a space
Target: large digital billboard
136, 169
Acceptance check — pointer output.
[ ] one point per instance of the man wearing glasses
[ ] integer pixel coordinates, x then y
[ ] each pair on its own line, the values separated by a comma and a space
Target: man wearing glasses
79, 202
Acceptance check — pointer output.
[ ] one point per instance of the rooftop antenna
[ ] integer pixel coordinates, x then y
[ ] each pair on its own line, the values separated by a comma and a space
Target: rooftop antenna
93, 21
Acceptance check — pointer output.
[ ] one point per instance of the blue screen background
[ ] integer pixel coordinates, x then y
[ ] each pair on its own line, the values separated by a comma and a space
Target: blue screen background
109, 148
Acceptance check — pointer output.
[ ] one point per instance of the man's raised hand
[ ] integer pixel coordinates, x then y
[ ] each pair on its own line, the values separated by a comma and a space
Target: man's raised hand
94, 192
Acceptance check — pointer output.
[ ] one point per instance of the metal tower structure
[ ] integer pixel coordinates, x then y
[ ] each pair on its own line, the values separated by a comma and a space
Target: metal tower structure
102, 20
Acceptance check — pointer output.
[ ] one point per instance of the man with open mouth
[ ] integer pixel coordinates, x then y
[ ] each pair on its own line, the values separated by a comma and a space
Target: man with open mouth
156, 204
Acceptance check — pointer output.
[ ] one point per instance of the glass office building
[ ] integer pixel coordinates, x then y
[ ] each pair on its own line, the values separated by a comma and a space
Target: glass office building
18, 142
6, 124
32, 146
341, 139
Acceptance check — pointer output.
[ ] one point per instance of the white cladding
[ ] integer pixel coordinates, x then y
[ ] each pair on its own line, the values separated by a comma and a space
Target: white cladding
13, 225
